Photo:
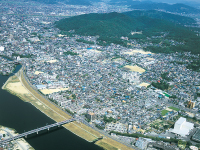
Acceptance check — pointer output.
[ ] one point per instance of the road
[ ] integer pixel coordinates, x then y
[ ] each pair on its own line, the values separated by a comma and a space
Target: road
14, 140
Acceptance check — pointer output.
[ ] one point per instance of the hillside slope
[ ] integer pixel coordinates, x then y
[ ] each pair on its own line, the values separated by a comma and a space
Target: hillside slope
112, 26
149, 5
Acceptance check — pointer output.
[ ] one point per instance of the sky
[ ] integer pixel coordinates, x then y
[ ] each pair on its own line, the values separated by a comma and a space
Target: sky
175, 1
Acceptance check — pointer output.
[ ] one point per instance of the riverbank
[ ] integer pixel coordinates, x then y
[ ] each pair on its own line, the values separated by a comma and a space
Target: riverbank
15, 87
19, 144
30, 95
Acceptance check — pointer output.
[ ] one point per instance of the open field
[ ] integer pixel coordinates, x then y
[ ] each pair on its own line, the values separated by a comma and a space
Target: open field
106, 146
52, 61
80, 129
164, 112
135, 68
95, 51
132, 33
150, 58
92, 131
111, 144
49, 91
144, 84
118, 60
168, 109
38, 72
17, 88
141, 51
174, 108
60, 35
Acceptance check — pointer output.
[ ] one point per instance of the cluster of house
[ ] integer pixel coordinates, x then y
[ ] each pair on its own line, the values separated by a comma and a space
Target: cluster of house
6, 66
111, 81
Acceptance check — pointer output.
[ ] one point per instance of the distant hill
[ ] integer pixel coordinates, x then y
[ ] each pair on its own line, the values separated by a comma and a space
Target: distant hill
163, 16
70, 2
148, 5
112, 26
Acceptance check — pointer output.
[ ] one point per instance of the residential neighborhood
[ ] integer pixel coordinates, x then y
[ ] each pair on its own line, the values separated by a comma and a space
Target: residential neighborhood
114, 88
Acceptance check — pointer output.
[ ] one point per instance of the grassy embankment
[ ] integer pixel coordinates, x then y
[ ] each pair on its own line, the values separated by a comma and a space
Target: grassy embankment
28, 94
174, 108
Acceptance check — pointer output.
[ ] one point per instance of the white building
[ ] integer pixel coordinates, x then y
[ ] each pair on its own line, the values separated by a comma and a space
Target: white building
118, 127
142, 143
18, 58
182, 127
1, 48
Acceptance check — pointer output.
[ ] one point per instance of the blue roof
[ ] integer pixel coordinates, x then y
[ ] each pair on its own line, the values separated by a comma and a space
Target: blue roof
40, 86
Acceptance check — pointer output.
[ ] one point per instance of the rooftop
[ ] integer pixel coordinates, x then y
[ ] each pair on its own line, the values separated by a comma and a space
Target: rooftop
196, 136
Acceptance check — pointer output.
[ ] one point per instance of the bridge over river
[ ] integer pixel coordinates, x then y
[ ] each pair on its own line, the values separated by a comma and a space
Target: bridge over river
25, 134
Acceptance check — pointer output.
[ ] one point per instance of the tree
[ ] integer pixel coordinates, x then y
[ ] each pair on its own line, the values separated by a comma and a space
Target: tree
182, 144
197, 145
160, 85
108, 120
166, 126
173, 96
73, 96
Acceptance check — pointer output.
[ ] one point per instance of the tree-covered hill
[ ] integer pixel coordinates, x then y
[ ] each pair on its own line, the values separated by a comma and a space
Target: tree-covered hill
163, 16
157, 26
112, 24
149, 5
176, 8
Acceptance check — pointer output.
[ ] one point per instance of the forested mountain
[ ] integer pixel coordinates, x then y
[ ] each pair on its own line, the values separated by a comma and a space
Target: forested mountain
143, 5
163, 16
161, 26
148, 5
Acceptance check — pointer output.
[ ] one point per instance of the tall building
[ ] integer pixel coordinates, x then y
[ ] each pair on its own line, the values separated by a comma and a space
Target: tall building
91, 116
191, 104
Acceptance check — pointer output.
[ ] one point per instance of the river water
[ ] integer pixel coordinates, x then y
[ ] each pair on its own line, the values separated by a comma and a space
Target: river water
23, 116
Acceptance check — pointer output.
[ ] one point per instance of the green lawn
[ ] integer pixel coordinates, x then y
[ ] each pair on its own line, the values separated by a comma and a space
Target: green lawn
163, 113
174, 108
167, 95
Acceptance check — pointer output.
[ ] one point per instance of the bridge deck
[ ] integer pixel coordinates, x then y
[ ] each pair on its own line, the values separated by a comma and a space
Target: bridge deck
36, 130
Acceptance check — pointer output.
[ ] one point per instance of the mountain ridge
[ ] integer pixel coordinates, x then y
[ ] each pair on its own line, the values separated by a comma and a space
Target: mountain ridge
149, 5
110, 27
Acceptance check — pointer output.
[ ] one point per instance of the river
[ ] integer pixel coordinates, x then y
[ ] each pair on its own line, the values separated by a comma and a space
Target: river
22, 116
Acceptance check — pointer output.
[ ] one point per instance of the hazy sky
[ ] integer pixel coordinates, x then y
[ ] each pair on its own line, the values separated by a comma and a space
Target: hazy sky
175, 1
